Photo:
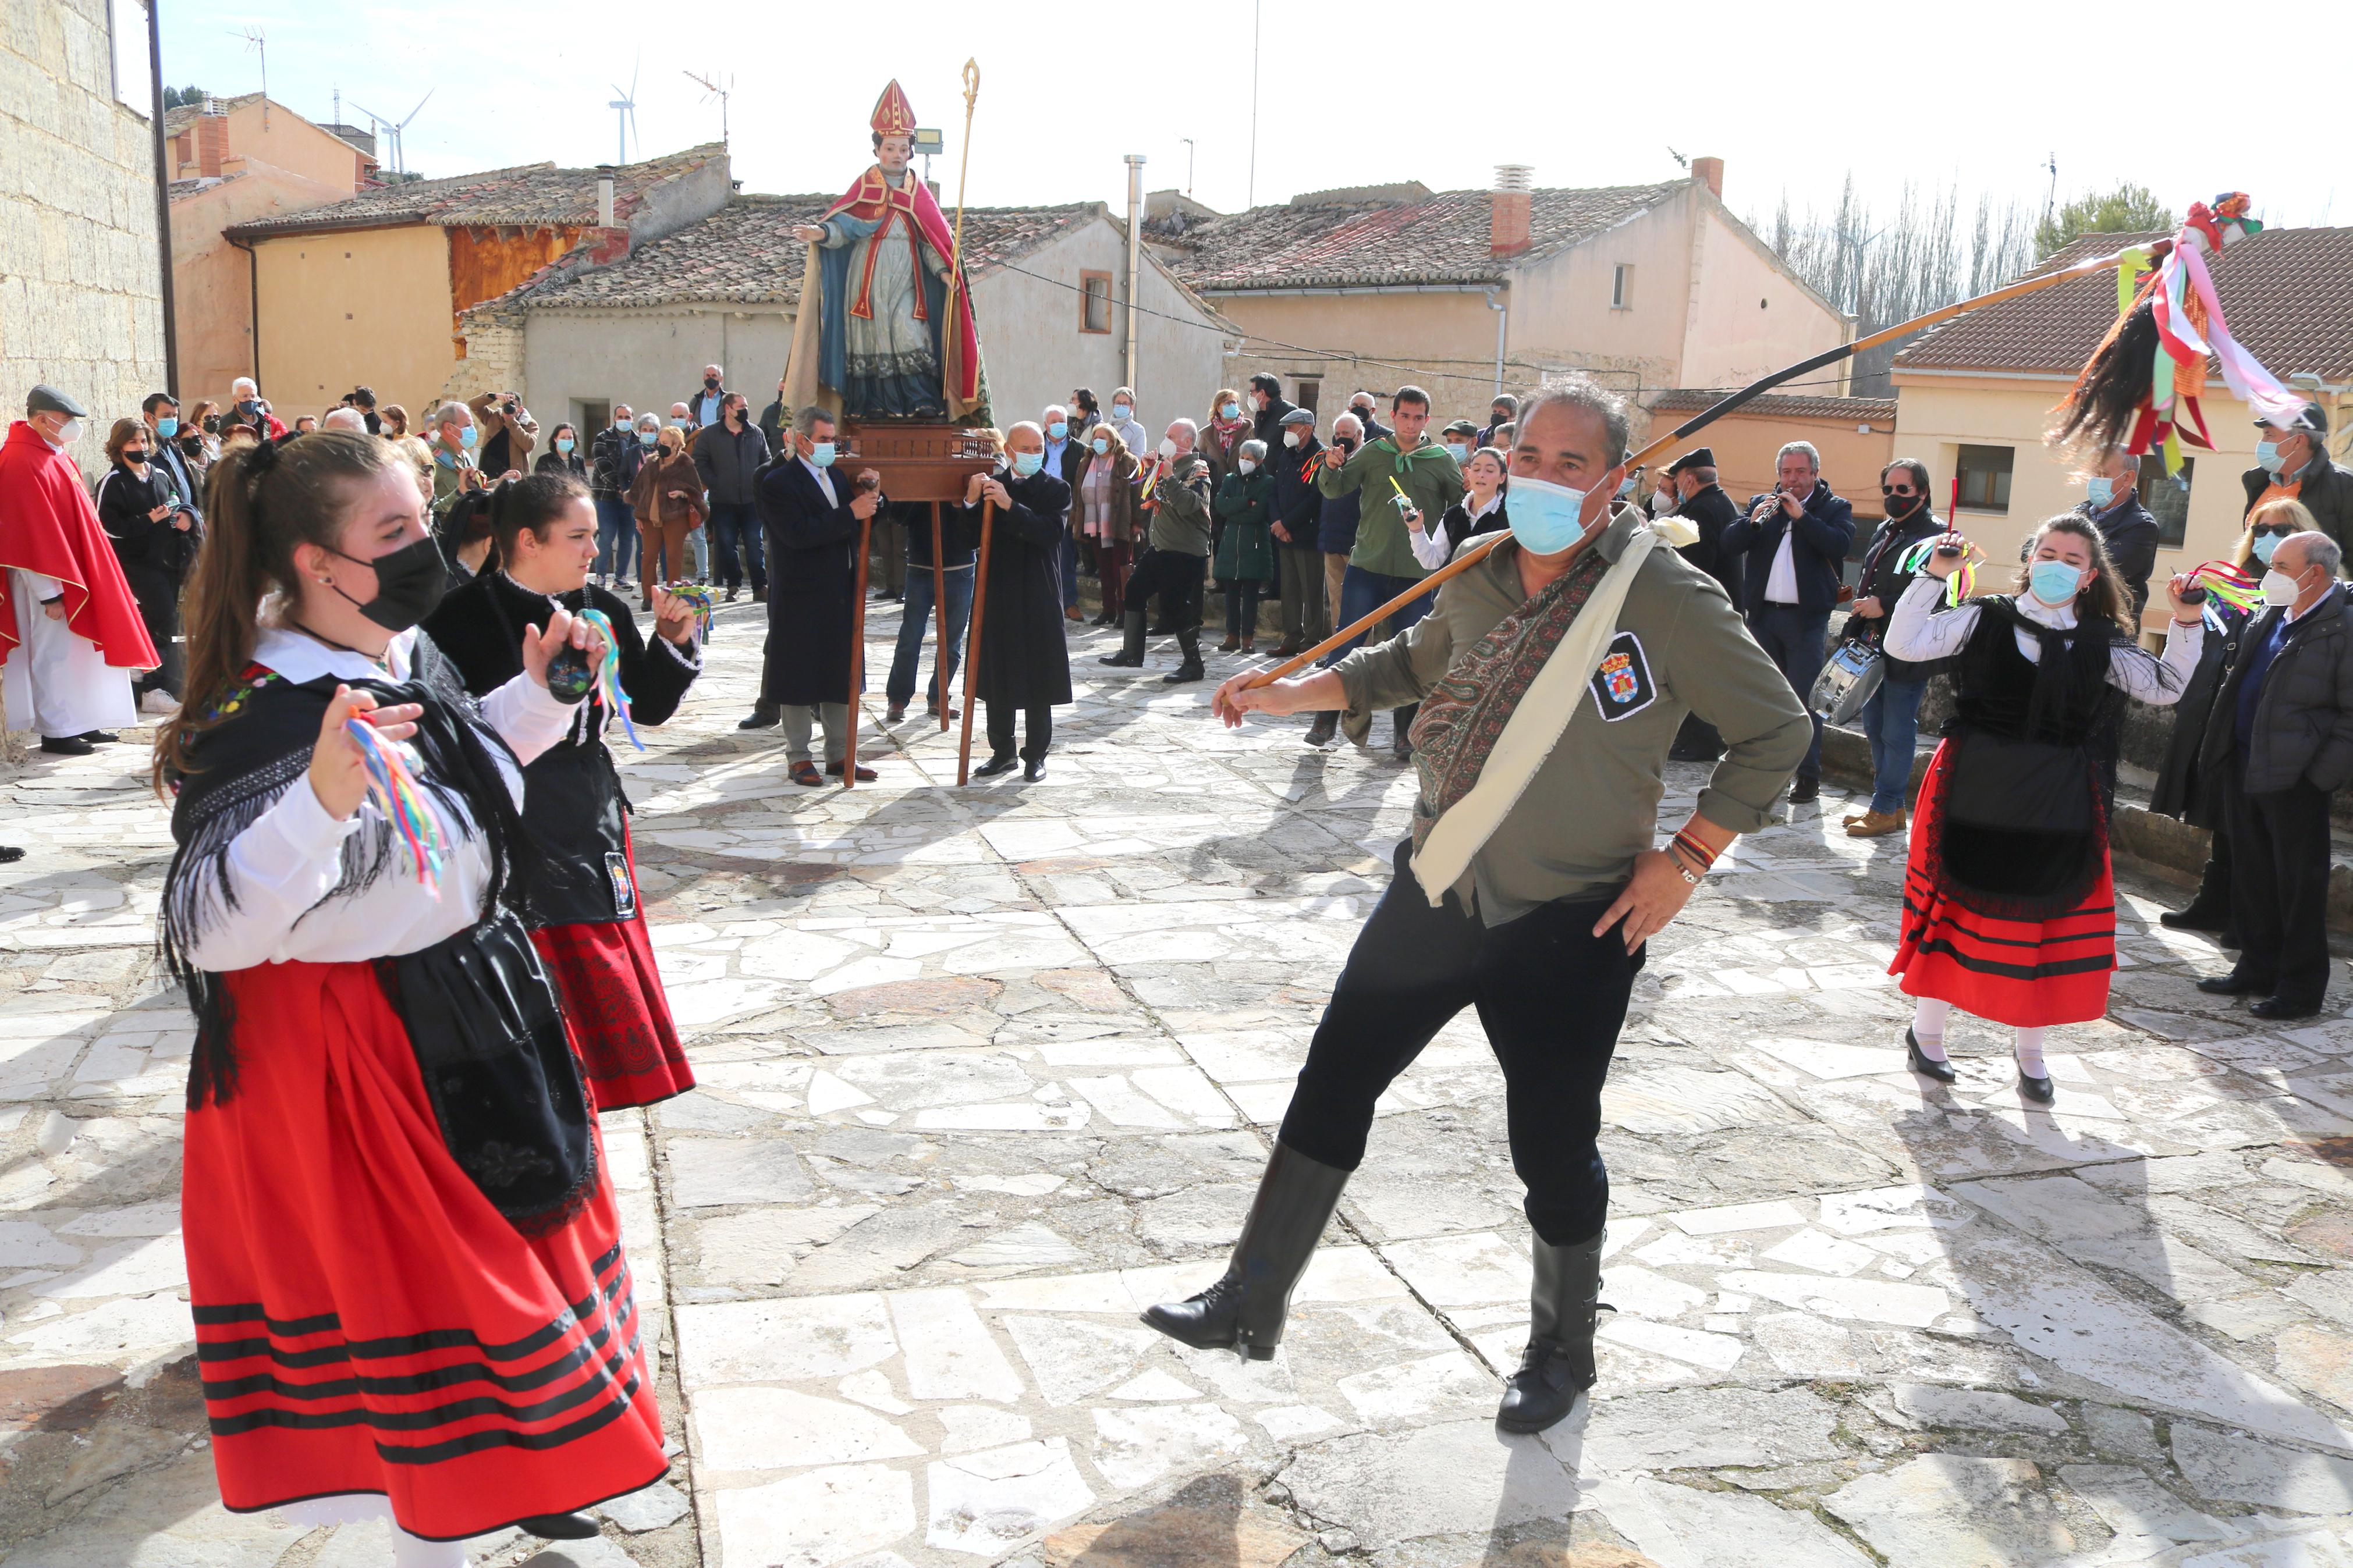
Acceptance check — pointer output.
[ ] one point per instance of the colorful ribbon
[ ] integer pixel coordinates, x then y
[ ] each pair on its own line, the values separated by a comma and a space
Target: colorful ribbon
403, 802
609, 674
2227, 582
1405, 502
1960, 585
696, 595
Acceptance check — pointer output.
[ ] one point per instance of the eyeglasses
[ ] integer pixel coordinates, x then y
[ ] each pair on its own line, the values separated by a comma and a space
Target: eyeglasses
2281, 530
1897, 490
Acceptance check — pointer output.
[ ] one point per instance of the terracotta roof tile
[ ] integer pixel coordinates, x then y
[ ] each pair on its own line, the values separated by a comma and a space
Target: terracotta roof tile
2287, 292
1780, 406
1441, 239
528, 195
746, 252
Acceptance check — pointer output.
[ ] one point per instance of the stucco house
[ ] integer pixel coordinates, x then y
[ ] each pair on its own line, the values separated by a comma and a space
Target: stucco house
1855, 435
1648, 287
369, 289
587, 334
237, 160
1974, 397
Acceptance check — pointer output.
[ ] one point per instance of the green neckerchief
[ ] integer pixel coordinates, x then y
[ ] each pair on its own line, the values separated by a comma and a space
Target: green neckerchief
1404, 459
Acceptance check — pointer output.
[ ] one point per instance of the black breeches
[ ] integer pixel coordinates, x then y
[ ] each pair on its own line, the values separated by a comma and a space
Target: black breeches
1176, 578
1552, 997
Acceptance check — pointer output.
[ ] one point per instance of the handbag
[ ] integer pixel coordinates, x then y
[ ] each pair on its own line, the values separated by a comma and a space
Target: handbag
1848, 678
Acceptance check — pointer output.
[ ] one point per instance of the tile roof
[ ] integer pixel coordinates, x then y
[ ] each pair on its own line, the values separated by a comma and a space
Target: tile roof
746, 252
1780, 405
2284, 290
179, 118
1443, 238
529, 195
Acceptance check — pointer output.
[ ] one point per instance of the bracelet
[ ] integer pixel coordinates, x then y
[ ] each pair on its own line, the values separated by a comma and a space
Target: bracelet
1692, 847
1690, 876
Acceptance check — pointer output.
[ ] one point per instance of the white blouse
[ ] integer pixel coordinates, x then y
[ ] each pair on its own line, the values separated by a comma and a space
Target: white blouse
1430, 545
282, 866
1914, 632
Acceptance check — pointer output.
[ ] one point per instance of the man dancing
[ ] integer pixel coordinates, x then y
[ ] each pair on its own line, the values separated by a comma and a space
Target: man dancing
1569, 656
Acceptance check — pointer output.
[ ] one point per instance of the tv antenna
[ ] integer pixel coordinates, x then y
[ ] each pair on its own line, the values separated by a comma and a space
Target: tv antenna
260, 43
395, 132
1680, 162
718, 90
2052, 200
625, 112
1188, 163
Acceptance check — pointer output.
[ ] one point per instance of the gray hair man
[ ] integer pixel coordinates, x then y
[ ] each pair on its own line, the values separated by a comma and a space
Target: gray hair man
1178, 561
454, 473
1796, 537
2291, 458
2280, 737
2112, 502
1062, 449
349, 419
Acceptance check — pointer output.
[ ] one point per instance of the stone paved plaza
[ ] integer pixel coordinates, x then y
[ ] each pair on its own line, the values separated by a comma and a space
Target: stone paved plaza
985, 1071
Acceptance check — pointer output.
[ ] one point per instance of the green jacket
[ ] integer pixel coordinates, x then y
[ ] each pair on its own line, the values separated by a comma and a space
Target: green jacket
1181, 508
1429, 479
1245, 550
445, 478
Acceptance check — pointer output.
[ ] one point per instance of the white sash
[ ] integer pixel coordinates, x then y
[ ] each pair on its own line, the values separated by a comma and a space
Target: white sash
1535, 727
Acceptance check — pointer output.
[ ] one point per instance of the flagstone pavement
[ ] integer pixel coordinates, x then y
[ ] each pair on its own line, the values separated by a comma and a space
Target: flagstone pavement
986, 1070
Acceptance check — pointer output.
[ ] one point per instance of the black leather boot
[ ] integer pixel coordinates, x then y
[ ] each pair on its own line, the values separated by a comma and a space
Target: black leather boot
1190, 641
1559, 1364
1326, 726
1244, 1311
559, 1526
1131, 648
1401, 722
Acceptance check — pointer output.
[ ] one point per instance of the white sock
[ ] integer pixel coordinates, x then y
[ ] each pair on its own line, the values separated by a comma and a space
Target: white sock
1928, 1026
2030, 1053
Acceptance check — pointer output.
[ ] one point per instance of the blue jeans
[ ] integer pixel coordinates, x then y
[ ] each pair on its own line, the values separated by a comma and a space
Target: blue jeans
1891, 721
1362, 593
617, 536
916, 618
735, 525
1069, 570
698, 544
1793, 639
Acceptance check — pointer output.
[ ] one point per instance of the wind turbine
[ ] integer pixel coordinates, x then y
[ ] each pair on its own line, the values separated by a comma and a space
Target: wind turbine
396, 131
626, 111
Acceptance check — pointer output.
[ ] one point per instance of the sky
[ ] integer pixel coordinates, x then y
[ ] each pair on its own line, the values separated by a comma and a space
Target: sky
1794, 97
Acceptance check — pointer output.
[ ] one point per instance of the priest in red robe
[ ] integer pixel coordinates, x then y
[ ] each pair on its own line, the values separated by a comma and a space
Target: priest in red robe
70, 634
884, 329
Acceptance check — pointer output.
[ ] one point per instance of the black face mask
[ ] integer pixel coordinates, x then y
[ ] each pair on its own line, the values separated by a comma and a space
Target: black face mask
711, 382
408, 585
1900, 507
132, 457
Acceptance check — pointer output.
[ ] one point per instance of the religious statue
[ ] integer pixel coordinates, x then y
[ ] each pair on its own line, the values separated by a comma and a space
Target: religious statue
884, 329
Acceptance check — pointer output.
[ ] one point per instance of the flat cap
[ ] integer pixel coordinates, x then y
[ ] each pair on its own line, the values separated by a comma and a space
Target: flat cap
47, 399
1697, 458
1462, 428
1299, 416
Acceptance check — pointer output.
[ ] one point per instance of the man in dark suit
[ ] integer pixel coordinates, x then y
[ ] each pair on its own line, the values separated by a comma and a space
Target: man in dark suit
1268, 409
1064, 445
1796, 538
811, 514
1700, 500
1024, 667
2113, 504
2292, 459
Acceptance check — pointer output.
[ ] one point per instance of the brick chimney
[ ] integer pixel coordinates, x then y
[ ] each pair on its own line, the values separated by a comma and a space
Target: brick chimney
1507, 212
212, 140
1710, 172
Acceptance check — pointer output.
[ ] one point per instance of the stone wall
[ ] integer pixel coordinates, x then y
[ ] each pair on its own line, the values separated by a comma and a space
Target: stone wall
81, 276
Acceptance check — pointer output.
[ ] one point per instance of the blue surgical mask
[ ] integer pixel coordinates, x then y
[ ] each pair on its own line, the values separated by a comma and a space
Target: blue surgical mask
1547, 518
468, 436
1103, 447
1458, 451
682, 424
1027, 463
564, 444
2103, 492
1059, 430
1229, 410
621, 422
822, 454
2267, 453
648, 437
2053, 581
2264, 544
167, 426
1122, 411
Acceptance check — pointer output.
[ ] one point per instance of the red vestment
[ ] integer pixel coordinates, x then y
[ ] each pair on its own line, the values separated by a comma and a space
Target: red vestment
48, 527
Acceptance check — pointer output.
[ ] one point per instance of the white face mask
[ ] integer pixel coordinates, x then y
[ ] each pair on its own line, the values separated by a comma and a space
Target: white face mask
2280, 590
1168, 447
69, 432
1247, 464
1290, 437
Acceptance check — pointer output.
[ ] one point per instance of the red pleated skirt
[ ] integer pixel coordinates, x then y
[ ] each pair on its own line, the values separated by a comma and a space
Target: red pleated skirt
615, 1008
366, 1320
2025, 973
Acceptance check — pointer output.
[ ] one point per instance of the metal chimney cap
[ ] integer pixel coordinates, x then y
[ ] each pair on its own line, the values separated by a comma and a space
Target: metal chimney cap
1516, 176
1135, 160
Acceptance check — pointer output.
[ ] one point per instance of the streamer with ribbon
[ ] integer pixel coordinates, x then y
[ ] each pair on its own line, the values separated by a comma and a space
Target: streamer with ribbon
1960, 585
2227, 582
698, 597
393, 785
609, 674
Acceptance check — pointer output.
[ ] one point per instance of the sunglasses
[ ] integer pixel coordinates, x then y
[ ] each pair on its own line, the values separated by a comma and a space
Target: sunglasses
2281, 530
1897, 490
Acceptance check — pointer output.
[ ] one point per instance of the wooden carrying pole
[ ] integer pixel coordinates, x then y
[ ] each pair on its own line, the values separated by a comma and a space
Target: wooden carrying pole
1706, 416
857, 656
972, 641
940, 613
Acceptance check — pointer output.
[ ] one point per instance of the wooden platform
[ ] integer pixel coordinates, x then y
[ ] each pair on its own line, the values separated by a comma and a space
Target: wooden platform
919, 461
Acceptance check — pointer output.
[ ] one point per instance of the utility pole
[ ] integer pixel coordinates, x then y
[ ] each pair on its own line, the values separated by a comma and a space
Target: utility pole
162, 199
1257, 6
1134, 253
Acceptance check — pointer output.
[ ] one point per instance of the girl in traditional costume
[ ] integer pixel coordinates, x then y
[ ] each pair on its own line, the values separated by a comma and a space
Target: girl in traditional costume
2008, 899
406, 1266
586, 916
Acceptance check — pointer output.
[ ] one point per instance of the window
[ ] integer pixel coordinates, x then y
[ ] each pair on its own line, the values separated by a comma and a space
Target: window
1985, 478
591, 418
134, 88
1095, 301
1306, 393
2167, 496
1621, 286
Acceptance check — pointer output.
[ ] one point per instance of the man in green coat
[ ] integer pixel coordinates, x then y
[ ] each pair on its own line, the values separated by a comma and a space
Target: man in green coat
1178, 560
1403, 474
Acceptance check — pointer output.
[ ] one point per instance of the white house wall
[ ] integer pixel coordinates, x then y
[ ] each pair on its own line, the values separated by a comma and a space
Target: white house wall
649, 358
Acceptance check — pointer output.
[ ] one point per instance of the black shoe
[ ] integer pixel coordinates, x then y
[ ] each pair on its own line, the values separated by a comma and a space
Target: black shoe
1244, 1311
100, 737
1563, 1304
1190, 670
1942, 1072
1804, 791
995, 765
1131, 648
2231, 985
1326, 726
761, 718
559, 1526
2037, 1091
2279, 1009
10, 853
895, 714
67, 746
2196, 917
1033, 770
